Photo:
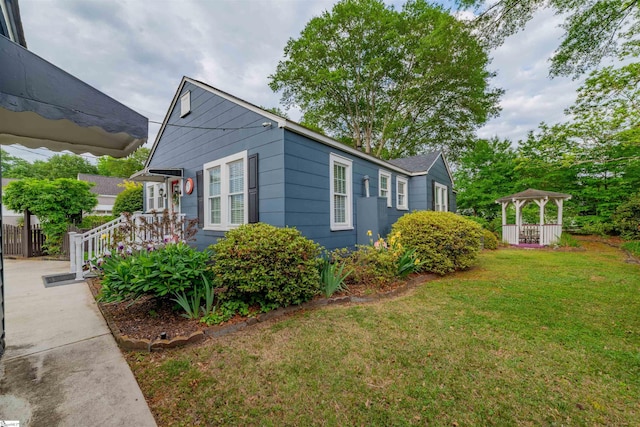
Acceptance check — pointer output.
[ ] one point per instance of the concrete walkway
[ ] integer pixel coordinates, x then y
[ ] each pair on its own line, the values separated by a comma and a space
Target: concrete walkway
62, 367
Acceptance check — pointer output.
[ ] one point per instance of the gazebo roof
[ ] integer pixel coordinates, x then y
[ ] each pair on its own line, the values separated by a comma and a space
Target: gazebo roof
532, 194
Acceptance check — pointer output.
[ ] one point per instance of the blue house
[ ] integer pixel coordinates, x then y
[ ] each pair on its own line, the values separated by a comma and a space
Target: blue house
228, 162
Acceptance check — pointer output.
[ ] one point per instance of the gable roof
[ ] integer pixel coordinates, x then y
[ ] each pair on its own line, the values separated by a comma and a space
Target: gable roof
104, 185
420, 163
293, 127
533, 194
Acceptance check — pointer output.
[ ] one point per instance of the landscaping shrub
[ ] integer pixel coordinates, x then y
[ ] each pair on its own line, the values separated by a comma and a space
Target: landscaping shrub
444, 242
260, 263
589, 225
130, 200
490, 240
379, 263
164, 272
368, 265
93, 221
626, 219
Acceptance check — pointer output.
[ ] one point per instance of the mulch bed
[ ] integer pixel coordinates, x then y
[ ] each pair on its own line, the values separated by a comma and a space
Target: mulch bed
152, 318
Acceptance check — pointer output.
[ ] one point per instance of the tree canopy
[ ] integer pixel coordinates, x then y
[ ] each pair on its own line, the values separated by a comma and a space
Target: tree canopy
56, 204
594, 29
392, 83
594, 155
123, 168
57, 166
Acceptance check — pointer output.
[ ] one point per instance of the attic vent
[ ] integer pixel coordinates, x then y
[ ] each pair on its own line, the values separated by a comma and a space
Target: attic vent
185, 104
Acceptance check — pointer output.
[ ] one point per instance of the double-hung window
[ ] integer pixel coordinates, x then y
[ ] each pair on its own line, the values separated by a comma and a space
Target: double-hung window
341, 197
155, 196
402, 196
151, 198
384, 186
441, 202
226, 192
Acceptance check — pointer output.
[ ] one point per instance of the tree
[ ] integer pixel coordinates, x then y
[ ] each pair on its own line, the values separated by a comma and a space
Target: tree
14, 167
594, 29
130, 200
392, 83
123, 168
62, 166
56, 203
485, 173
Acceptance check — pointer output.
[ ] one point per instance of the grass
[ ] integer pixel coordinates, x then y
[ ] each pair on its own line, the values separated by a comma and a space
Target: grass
524, 338
633, 247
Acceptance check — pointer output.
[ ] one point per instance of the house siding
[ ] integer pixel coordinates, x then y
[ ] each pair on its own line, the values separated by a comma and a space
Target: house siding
293, 171
439, 174
307, 191
189, 148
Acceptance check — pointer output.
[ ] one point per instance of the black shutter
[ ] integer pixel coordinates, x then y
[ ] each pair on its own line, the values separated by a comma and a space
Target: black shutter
253, 188
200, 193
433, 194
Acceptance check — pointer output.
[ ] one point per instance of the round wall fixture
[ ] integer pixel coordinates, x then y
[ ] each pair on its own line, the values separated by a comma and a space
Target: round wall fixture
188, 186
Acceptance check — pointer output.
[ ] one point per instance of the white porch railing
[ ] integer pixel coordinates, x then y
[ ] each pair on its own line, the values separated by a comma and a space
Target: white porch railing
544, 235
99, 241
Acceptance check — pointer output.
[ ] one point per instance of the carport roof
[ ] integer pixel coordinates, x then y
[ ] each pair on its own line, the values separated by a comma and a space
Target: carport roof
42, 105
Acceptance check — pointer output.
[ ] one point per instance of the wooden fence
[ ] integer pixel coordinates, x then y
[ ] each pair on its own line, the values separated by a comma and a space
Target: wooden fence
13, 236
13, 240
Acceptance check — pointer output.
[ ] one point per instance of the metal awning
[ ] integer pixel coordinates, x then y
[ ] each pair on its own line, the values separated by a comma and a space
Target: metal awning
44, 106
151, 174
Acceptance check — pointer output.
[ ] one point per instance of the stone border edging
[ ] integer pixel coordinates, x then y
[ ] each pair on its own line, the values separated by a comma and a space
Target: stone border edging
142, 344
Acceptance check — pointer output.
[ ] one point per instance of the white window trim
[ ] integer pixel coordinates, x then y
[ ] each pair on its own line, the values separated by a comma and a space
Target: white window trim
386, 174
224, 193
185, 104
404, 206
440, 187
348, 225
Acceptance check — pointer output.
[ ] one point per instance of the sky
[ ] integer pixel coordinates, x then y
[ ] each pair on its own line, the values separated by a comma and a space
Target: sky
137, 52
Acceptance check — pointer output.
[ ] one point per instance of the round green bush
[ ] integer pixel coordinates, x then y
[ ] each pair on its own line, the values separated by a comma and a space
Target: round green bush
271, 266
130, 200
444, 241
626, 219
490, 240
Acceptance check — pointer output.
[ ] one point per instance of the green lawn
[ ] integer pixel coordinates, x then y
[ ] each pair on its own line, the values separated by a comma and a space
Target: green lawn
525, 338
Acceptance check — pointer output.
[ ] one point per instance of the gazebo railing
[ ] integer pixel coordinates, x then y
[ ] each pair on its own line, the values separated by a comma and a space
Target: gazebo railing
546, 234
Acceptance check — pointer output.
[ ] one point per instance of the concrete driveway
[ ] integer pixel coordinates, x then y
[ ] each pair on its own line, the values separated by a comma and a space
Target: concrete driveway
62, 367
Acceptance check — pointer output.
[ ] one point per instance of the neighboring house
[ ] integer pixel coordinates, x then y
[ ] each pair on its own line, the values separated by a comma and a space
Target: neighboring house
106, 188
227, 162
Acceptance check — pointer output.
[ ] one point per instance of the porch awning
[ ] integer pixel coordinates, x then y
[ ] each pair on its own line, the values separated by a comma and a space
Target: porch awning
44, 106
151, 174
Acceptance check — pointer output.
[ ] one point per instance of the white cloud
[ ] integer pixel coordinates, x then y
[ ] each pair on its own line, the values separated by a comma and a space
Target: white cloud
522, 64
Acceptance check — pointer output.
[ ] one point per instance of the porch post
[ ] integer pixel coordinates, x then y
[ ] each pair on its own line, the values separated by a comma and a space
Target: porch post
559, 204
79, 253
72, 251
519, 204
27, 241
542, 203
504, 213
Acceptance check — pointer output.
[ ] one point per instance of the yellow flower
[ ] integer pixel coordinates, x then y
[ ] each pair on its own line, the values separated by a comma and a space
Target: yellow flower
369, 233
417, 261
104, 236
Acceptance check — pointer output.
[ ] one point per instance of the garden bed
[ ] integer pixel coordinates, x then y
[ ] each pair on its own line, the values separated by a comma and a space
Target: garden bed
150, 323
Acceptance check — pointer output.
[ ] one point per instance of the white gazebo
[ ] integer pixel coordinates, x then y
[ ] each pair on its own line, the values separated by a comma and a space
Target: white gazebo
541, 234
